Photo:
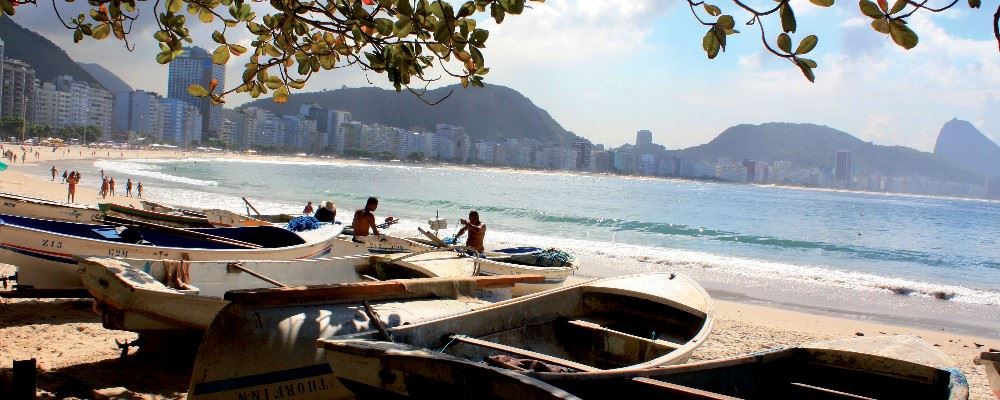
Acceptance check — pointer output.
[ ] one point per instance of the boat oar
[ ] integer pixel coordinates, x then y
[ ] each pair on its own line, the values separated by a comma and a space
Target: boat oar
251, 206
183, 232
238, 265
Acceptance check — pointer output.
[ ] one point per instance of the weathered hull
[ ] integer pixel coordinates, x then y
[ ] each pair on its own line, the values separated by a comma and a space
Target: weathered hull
890, 368
215, 278
269, 351
46, 209
132, 300
177, 220
45, 259
883, 368
991, 363
565, 325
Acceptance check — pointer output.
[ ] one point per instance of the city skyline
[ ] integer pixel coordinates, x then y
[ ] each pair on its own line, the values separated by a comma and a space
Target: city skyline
660, 79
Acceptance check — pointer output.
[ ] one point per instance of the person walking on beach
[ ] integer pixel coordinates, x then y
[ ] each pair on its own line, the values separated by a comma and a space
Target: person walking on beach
327, 213
65, 175
104, 188
73, 179
476, 229
111, 185
128, 188
54, 173
364, 220
308, 209
138, 189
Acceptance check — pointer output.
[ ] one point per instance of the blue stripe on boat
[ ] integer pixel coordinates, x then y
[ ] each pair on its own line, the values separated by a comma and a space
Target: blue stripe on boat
262, 379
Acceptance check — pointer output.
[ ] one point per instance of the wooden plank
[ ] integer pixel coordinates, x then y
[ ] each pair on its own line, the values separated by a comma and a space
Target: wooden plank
680, 392
437, 241
46, 294
360, 290
524, 353
585, 324
816, 392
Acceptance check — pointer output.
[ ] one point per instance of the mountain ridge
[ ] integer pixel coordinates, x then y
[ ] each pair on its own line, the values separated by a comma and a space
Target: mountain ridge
46, 58
962, 143
491, 113
108, 79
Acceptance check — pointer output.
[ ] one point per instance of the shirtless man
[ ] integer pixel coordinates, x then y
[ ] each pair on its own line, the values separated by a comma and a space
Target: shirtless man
365, 219
476, 229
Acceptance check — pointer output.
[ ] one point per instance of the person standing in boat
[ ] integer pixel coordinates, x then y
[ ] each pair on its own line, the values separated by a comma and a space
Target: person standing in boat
327, 213
364, 220
476, 229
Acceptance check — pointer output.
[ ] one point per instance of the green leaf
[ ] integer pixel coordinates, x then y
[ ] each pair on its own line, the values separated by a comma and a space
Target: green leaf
161, 36
101, 31
712, 10
78, 36
785, 43
806, 70
404, 7
206, 16
237, 50
218, 37
787, 18
822, 3
807, 44
726, 22
197, 90
975, 3
881, 25
902, 35
8, 8
810, 63
496, 12
403, 28
175, 6
710, 44
273, 82
220, 55
478, 37
383, 26
870, 9
897, 6
281, 95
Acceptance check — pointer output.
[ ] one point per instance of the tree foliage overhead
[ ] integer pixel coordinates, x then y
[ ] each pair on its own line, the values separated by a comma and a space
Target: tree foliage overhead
405, 39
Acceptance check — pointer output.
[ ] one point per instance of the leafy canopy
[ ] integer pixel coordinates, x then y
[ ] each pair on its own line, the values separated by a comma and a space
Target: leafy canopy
405, 39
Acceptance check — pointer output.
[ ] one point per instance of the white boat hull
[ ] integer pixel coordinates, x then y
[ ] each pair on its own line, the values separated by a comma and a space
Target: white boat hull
46, 209
45, 260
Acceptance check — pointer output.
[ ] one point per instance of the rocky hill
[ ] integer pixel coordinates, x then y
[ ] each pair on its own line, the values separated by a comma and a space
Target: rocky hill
812, 145
108, 79
962, 143
493, 112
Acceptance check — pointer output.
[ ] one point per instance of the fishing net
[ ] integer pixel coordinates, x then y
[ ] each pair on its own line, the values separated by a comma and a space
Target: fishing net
303, 223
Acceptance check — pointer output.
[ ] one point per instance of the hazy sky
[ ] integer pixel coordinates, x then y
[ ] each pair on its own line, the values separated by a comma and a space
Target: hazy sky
607, 68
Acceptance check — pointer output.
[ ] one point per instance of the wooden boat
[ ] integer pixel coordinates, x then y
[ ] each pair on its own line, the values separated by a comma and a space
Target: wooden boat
419, 373
25, 206
990, 360
163, 208
630, 322
131, 293
44, 250
226, 218
866, 368
173, 218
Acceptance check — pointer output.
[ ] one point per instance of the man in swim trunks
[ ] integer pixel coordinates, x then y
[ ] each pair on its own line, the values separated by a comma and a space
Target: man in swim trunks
476, 229
364, 219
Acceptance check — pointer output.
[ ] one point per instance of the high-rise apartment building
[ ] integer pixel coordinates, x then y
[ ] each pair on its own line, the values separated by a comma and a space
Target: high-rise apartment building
66, 102
181, 122
18, 90
644, 138
844, 169
139, 113
195, 66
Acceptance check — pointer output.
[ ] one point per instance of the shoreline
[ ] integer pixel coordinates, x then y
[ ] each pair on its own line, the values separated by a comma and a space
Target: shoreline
745, 322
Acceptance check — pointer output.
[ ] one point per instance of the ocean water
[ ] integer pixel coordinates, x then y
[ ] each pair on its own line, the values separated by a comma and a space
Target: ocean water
909, 246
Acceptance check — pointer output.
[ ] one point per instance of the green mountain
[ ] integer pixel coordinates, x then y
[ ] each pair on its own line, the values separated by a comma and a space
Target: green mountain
48, 60
810, 145
490, 113
108, 79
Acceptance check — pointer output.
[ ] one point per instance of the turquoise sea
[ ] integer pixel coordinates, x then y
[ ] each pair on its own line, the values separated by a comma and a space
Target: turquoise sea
778, 244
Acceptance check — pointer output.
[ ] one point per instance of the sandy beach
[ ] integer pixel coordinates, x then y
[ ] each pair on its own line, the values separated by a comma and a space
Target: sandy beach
76, 355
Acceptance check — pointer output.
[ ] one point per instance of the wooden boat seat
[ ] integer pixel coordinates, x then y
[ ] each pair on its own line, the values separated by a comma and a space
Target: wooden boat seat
597, 326
680, 392
523, 353
802, 390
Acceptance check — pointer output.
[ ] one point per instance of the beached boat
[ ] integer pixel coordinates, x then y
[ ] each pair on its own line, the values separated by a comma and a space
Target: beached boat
226, 218
990, 360
31, 207
419, 373
44, 250
164, 208
867, 368
260, 345
174, 218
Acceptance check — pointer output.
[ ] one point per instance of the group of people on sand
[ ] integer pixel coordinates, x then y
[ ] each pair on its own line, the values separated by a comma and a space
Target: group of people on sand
364, 221
72, 178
